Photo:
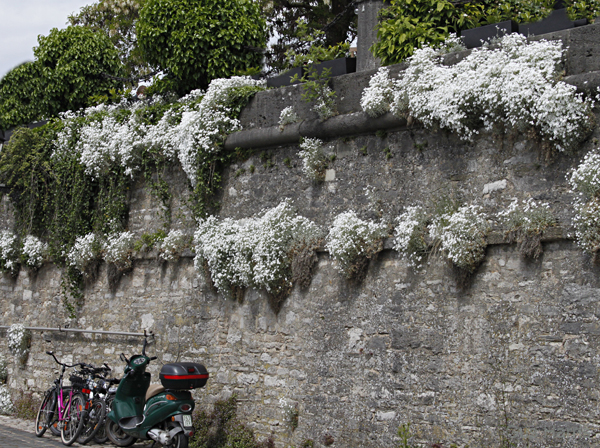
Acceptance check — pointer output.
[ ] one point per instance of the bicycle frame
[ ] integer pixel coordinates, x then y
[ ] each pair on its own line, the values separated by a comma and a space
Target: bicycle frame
61, 392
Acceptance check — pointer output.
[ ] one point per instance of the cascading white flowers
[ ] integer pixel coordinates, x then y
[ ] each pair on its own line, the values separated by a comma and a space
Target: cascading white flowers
118, 249
85, 250
173, 245
9, 252
515, 85
313, 158
351, 237
108, 134
462, 234
18, 341
33, 251
410, 235
585, 181
253, 252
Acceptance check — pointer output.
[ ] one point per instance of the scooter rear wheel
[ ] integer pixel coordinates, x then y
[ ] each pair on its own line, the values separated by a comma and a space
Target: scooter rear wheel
179, 441
116, 434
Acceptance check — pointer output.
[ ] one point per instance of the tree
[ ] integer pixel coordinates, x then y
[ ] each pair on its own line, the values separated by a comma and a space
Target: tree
335, 17
73, 63
19, 90
117, 19
69, 68
196, 41
410, 24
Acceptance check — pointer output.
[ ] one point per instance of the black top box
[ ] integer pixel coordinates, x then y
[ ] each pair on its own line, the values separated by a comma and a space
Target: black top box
183, 375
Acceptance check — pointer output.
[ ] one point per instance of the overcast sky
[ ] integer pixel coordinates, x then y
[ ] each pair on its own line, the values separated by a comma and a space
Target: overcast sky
21, 21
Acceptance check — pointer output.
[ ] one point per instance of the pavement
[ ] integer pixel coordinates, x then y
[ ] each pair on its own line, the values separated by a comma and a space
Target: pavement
18, 433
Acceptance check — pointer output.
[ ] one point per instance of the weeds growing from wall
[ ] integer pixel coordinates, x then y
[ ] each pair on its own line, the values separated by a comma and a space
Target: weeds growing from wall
25, 406
222, 428
525, 223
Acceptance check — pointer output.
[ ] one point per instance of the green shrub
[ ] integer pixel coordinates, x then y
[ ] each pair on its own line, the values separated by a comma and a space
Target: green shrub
222, 429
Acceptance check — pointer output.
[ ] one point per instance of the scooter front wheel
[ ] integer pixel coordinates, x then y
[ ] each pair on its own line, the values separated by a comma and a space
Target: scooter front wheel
117, 435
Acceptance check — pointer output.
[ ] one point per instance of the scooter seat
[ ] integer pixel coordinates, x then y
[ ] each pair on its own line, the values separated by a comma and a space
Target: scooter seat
130, 422
153, 390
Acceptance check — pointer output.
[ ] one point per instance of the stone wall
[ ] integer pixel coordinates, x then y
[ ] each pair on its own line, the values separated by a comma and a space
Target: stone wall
513, 357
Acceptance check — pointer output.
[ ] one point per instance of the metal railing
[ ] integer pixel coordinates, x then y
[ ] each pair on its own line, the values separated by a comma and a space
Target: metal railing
78, 330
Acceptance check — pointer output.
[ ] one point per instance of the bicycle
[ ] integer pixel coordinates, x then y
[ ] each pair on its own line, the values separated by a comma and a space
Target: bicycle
57, 406
96, 403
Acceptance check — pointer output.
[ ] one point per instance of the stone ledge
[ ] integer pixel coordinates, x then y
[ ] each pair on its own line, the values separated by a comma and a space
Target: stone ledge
495, 238
335, 127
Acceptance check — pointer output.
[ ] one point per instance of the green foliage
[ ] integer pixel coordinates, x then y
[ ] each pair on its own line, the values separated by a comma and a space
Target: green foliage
73, 61
404, 435
318, 51
289, 22
68, 69
117, 20
410, 24
586, 9
316, 90
18, 95
221, 428
25, 406
148, 240
197, 41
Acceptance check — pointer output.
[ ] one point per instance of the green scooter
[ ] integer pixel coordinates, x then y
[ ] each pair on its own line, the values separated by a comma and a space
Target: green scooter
154, 412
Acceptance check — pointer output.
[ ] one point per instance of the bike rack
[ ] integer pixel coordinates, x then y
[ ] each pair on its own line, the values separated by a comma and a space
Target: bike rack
78, 330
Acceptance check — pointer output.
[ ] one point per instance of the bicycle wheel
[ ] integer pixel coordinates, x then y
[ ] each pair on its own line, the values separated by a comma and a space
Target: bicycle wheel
93, 421
73, 419
101, 436
46, 413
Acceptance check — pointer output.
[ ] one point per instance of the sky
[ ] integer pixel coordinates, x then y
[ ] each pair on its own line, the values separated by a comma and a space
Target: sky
21, 21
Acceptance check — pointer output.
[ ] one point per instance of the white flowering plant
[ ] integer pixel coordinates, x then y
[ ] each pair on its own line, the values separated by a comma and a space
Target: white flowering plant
290, 413
525, 223
288, 116
587, 226
6, 404
33, 252
173, 245
515, 86
9, 252
377, 98
19, 339
254, 252
586, 177
104, 135
463, 236
313, 158
118, 250
410, 235
351, 242
3, 369
84, 253
585, 181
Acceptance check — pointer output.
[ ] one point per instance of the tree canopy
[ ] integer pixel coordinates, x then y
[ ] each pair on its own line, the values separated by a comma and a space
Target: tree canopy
68, 69
336, 18
117, 19
195, 41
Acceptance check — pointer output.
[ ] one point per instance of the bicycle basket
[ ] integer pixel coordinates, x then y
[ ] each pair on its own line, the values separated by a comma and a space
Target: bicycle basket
77, 381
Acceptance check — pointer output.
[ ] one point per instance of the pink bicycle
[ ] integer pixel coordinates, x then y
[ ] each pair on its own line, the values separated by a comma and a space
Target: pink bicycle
63, 408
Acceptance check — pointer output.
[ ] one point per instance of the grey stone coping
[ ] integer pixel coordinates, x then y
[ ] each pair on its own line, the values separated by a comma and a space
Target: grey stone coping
338, 126
260, 118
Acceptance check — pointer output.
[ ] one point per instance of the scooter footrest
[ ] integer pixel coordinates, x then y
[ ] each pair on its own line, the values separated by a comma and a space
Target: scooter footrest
130, 422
